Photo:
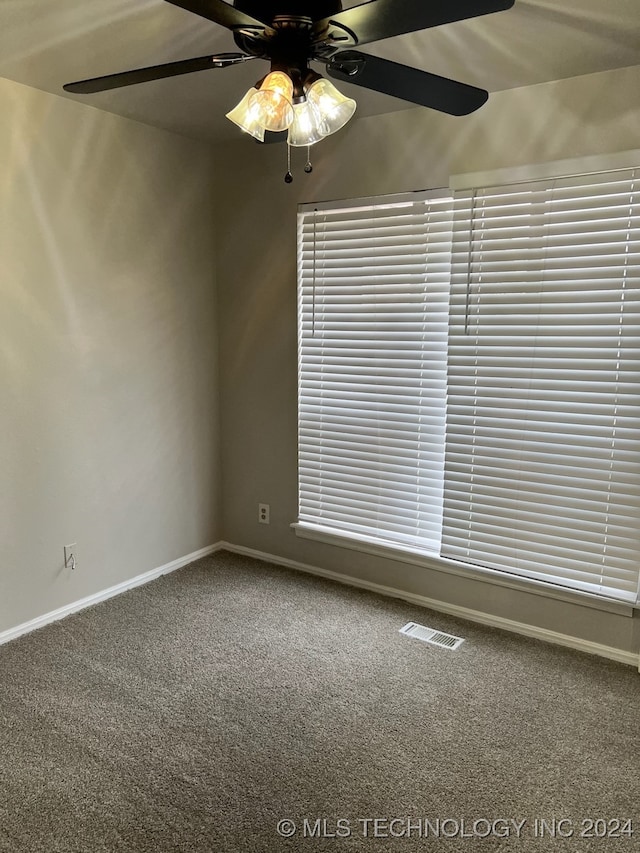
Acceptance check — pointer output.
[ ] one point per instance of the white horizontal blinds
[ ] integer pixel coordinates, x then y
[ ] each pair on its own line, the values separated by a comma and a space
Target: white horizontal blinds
543, 444
373, 309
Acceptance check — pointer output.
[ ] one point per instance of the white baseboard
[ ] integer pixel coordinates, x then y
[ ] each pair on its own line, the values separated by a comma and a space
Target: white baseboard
620, 655
629, 658
96, 598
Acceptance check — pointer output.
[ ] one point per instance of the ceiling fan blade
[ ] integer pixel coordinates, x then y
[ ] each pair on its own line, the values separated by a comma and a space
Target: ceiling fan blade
221, 13
382, 19
410, 84
154, 72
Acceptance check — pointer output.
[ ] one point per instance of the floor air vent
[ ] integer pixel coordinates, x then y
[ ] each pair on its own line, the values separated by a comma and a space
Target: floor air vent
429, 635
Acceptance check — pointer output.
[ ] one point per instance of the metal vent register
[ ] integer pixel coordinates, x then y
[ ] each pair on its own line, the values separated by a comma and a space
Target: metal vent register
430, 635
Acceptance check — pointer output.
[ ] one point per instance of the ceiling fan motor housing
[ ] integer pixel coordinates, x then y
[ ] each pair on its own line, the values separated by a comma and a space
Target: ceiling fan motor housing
269, 11
287, 42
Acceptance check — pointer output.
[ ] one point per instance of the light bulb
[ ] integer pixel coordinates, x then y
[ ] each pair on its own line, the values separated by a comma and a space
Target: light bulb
308, 126
273, 102
333, 106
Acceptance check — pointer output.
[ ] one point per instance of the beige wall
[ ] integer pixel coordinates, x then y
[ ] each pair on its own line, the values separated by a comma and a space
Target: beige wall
108, 388
109, 235
415, 149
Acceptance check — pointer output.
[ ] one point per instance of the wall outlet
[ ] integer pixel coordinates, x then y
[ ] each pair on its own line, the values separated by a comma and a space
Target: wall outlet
70, 556
263, 513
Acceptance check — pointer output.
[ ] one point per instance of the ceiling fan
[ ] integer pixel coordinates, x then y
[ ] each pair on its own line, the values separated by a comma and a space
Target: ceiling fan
294, 102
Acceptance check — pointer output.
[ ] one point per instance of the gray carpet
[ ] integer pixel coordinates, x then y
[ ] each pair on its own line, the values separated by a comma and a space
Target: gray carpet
195, 713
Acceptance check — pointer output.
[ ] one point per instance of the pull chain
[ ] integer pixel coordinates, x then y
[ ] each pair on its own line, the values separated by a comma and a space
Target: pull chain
288, 178
308, 167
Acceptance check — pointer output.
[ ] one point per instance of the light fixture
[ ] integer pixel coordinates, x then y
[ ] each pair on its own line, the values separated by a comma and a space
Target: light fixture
247, 116
297, 100
308, 126
333, 106
273, 102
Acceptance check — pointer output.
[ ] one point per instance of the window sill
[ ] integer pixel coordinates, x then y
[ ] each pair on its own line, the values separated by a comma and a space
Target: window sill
453, 567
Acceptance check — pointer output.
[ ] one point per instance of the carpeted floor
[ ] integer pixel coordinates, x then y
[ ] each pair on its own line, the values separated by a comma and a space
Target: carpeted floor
195, 713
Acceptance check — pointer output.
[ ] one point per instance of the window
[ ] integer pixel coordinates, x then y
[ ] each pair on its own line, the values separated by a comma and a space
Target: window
470, 378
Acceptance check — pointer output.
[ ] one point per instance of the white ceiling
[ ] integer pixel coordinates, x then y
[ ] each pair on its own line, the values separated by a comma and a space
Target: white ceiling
45, 43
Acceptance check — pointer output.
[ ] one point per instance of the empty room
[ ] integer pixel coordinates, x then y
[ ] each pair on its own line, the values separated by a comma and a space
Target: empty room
320, 426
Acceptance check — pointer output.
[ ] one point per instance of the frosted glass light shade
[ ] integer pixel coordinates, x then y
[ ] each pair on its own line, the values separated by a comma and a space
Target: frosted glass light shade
308, 126
273, 102
334, 107
247, 117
